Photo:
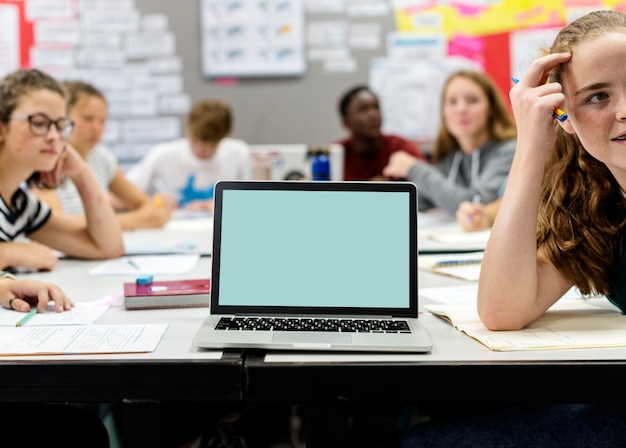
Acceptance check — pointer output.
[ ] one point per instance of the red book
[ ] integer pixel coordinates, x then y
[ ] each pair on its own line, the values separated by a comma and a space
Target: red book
167, 294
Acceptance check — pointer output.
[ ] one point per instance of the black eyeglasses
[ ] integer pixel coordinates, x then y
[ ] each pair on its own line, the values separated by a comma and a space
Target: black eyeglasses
39, 124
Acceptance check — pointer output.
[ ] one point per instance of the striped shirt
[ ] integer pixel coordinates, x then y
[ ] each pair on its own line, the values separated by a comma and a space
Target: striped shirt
103, 164
25, 215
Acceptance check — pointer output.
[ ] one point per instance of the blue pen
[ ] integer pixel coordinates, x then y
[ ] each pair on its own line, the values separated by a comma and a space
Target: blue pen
460, 262
559, 114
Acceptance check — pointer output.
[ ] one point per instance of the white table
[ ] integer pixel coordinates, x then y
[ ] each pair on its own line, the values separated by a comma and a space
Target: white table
180, 235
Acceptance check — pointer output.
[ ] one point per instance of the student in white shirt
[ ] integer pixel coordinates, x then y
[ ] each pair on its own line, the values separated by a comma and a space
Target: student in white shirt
184, 171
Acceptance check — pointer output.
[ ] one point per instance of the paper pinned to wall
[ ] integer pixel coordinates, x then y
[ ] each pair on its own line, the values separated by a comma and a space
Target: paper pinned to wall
252, 38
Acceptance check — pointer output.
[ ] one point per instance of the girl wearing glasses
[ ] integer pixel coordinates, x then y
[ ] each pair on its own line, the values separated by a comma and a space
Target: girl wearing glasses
87, 108
33, 133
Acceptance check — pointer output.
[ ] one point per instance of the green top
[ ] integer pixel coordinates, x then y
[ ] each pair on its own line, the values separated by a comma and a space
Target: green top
617, 279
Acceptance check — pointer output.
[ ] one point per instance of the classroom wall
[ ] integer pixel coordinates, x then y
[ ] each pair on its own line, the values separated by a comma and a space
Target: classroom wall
269, 110
148, 100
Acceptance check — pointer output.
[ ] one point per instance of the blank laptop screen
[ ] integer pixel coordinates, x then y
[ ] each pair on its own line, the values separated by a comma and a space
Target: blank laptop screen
315, 249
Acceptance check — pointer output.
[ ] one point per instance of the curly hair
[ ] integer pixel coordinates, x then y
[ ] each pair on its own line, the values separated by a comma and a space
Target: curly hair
501, 123
581, 211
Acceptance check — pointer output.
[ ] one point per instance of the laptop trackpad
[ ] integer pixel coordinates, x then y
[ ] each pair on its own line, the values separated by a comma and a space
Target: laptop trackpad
286, 337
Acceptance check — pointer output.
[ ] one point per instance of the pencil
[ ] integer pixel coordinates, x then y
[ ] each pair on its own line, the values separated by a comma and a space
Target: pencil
26, 318
558, 113
132, 263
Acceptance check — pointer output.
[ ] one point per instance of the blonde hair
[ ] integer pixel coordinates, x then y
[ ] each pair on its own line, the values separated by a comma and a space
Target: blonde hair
501, 123
209, 121
581, 213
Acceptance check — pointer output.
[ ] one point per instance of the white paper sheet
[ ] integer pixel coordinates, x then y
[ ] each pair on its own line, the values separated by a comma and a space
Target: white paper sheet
80, 339
147, 264
83, 313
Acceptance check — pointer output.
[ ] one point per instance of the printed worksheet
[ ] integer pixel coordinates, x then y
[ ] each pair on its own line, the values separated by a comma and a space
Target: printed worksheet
83, 313
81, 339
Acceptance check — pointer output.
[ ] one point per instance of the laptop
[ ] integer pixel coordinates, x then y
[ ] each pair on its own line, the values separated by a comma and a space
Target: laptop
321, 265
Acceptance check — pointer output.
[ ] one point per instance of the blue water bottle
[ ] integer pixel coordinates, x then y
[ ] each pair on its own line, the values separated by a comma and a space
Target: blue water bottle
320, 165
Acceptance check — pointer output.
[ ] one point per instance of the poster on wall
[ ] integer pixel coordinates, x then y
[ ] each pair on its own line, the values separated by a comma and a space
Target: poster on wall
252, 39
502, 36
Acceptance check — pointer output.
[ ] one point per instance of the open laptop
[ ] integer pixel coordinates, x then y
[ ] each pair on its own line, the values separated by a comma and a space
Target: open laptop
314, 266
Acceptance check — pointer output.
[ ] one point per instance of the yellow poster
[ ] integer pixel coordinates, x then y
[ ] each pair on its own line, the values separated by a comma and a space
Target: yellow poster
476, 18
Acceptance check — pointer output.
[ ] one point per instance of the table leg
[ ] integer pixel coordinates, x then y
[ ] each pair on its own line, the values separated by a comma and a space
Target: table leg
142, 423
326, 426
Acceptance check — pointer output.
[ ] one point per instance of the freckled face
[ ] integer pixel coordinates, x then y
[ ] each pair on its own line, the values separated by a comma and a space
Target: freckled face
594, 85
30, 152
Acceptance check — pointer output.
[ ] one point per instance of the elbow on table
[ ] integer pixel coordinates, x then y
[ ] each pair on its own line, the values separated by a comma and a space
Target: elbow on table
496, 317
115, 251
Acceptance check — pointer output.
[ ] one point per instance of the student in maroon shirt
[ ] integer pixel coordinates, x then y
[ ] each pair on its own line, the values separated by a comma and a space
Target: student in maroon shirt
367, 149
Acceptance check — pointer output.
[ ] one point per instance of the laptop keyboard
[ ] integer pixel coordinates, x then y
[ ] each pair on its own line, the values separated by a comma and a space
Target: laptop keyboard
313, 324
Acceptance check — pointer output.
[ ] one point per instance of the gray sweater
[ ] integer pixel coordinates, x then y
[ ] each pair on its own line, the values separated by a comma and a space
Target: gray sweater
435, 188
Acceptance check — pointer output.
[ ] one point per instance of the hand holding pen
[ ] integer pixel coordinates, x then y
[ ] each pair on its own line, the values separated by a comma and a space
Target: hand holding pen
472, 215
30, 295
558, 113
534, 101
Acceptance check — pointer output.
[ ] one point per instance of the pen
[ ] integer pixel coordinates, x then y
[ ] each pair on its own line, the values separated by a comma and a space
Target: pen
132, 263
26, 318
475, 200
558, 113
444, 263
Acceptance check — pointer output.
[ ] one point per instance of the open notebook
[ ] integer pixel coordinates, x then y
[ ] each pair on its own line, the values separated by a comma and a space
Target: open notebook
314, 266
